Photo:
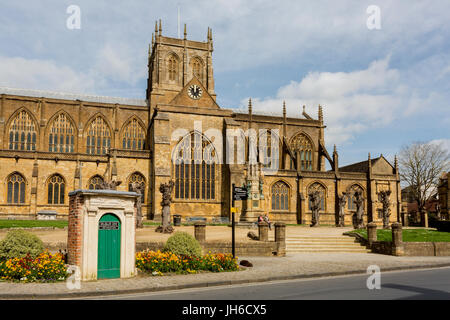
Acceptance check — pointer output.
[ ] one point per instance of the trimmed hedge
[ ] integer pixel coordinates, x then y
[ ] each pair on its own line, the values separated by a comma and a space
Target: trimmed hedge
19, 244
182, 243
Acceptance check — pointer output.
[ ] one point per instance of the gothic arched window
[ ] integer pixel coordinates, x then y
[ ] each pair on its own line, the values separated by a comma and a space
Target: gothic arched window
269, 150
172, 68
195, 168
280, 196
197, 68
351, 196
16, 189
137, 178
133, 136
303, 145
22, 132
95, 183
56, 190
61, 136
317, 187
98, 137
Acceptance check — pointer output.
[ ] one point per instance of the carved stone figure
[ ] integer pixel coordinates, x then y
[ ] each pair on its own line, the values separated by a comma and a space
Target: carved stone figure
138, 188
359, 215
110, 184
315, 200
166, 191
384, 198
342, 200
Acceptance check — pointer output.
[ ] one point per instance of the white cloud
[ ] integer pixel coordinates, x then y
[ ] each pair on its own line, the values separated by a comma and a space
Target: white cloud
117, 63
444, 143
353, 102
42, 74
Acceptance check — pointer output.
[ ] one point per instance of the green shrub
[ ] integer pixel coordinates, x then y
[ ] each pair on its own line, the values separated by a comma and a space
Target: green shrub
19, 243
182, 243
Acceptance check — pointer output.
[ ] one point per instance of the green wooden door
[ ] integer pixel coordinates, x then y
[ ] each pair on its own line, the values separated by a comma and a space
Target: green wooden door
108, 247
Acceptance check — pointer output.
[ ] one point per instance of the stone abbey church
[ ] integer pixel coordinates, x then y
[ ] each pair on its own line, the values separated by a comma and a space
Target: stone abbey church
53, 143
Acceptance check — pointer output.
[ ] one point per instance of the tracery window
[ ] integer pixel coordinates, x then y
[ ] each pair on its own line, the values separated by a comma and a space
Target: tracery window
303, 145
98, 137
16, 189
61, 136
351, 196
172, 68
269, 150
95, 183
22, 132
195, 168
56, 190
319, 187
137, 178
133, 136
280, 196
197, 68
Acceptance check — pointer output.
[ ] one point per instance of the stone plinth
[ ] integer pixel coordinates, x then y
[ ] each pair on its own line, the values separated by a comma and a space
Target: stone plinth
200, 231
371, 232
280, 238
263, 230
86, 208
397, 239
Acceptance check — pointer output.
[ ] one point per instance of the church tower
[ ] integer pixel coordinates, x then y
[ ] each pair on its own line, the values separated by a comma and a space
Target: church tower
173, 62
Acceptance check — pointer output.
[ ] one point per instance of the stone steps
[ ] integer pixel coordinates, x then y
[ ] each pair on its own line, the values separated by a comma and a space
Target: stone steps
323, 244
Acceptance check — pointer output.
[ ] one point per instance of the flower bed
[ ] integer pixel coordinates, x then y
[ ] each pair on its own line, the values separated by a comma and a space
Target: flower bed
159, 262
45, 267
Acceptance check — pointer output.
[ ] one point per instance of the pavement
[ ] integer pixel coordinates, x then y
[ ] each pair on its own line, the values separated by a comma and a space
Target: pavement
292, 266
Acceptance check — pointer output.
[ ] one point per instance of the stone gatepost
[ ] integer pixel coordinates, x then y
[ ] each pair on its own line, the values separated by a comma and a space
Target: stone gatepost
397, 239
200, 231
371, 233
101, 238
263, 230
280, 238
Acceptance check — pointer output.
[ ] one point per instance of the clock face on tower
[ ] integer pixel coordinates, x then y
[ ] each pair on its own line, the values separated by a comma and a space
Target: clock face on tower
195, 92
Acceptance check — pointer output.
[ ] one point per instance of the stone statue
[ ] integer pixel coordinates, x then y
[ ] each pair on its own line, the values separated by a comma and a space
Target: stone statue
139, 189
359, 215
342, 200
110, 184
384, 198
166, 191
315, 199
438, 211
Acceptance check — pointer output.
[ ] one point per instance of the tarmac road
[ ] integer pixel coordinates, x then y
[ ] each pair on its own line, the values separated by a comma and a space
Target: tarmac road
418, 284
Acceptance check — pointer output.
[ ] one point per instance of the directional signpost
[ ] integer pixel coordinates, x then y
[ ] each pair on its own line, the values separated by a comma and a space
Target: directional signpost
239, 193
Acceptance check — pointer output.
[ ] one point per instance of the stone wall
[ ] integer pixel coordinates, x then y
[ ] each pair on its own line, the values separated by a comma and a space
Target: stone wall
401, 248
256, 248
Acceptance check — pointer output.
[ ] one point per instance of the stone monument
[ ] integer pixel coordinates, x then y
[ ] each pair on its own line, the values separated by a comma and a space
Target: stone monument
166, 191
384, 198
359, 215
138, 188
315, 199
342, 200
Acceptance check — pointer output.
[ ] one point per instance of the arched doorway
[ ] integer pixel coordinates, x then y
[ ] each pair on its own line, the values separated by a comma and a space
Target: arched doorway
108, 266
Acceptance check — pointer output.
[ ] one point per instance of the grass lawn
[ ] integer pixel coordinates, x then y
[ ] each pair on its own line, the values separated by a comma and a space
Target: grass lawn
32, 223
410, 235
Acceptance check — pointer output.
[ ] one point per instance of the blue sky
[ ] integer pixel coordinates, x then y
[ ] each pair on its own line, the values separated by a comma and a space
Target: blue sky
380, 89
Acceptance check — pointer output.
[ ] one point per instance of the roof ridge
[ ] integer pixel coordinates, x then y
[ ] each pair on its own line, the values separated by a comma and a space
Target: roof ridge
71, 96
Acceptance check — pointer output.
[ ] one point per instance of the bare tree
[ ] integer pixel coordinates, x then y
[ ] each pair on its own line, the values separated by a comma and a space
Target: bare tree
420, 165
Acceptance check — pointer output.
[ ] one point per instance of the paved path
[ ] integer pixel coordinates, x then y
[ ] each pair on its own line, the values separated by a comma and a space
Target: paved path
293, 266
412, 284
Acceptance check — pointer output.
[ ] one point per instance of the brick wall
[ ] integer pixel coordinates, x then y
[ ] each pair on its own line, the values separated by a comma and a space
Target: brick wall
74, 239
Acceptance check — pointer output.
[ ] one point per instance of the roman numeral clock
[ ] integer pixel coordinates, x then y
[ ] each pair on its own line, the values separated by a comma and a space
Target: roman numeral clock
195, 92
